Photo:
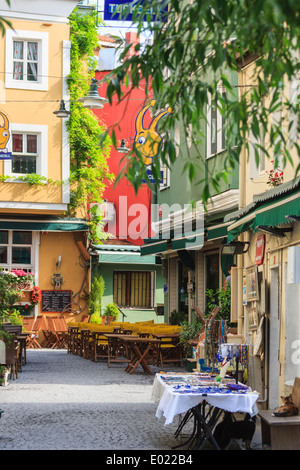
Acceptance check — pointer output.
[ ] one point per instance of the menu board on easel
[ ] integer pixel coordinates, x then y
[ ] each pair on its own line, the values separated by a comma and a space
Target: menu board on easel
56, 300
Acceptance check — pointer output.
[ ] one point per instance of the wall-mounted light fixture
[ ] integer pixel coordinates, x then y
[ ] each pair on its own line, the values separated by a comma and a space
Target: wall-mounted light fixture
93, 100
292, 218
58, 262
278, 232
123, 148
235, 248
62, 112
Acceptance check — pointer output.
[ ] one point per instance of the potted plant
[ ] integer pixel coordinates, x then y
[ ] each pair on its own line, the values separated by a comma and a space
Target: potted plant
111, 312
188, 333
23, 280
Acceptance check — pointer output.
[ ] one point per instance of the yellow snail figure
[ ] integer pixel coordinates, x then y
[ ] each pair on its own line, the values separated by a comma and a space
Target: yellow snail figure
148, 141
4, 133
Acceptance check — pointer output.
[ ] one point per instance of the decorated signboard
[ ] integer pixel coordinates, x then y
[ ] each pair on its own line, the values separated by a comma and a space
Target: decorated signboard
123, 10
5, 154
147, 140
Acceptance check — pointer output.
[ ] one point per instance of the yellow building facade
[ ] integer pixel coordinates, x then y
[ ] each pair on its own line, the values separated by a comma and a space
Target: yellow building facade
35, 234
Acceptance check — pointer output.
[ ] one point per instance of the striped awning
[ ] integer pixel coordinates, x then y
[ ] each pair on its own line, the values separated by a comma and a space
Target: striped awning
270, 208
45, 225
122, 254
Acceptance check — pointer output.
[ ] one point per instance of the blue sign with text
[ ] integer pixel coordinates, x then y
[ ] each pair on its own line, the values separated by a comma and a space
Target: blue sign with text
123, 10
5, 155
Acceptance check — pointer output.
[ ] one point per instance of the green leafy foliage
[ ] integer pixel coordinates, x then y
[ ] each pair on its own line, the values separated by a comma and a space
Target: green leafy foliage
4, 22
189, 332
89, 172
111, 310
177, 318
219, 298
199, 44
97, 291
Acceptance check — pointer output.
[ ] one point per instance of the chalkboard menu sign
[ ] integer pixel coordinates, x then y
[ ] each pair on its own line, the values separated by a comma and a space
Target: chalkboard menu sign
56, 300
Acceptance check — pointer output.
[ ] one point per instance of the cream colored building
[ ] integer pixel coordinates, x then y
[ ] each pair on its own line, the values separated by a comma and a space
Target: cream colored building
35, 235
266, 284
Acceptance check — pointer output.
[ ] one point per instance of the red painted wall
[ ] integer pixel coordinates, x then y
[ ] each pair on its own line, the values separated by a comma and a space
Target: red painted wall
131, 220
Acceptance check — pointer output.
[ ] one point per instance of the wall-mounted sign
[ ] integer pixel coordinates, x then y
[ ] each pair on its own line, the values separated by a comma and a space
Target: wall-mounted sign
121, 10
260, 249
56, 300
147, 140
5, 154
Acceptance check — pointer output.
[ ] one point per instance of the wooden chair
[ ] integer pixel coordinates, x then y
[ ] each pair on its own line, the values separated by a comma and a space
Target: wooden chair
62, 327
32, 338
85, 318
99, 346
74, 339
12, 356
168, 349
28, 323
59, 335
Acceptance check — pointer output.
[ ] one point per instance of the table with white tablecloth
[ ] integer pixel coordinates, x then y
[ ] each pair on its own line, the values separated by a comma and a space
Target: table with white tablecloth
179, 393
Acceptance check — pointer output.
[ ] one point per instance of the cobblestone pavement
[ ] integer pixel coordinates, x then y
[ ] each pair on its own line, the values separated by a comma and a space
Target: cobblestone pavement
65, 402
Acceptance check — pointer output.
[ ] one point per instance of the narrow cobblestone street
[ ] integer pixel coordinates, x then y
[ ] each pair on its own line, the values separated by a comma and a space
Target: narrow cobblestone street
65, 402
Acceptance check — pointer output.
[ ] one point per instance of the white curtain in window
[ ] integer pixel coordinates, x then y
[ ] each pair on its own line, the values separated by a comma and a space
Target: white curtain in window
18, 50
18, 55
32, 56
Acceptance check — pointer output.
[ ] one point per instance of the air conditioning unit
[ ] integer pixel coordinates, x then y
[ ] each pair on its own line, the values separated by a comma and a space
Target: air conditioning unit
106, 210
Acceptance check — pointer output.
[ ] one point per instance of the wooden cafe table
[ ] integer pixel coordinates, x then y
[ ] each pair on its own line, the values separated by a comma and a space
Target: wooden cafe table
117, 350
138, 350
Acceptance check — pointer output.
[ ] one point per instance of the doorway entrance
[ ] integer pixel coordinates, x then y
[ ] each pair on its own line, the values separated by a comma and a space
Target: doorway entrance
274, 366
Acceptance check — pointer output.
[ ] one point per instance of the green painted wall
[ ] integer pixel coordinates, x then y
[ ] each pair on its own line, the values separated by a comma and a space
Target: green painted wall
181, 189
107, 270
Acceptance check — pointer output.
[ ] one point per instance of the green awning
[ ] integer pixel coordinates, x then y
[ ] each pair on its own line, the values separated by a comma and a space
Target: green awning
121, 258
274, 213
54, 225
187, 241
122, 254
190, 240
154, 246
217, 231
269, 209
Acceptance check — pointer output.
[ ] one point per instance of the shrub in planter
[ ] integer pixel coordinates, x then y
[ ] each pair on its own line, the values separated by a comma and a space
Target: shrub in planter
95, 301
96, 318
188, 332
111, 310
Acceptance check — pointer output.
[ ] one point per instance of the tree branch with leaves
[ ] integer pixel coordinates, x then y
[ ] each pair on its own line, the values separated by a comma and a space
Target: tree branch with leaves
198, 44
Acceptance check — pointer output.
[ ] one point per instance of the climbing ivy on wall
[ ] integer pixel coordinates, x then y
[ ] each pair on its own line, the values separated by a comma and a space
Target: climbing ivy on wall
89, 173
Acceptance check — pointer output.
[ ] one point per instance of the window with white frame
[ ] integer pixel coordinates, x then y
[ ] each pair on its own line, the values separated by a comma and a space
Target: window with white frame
26, 60
24, 153
16, 250
215, 124
29, 147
